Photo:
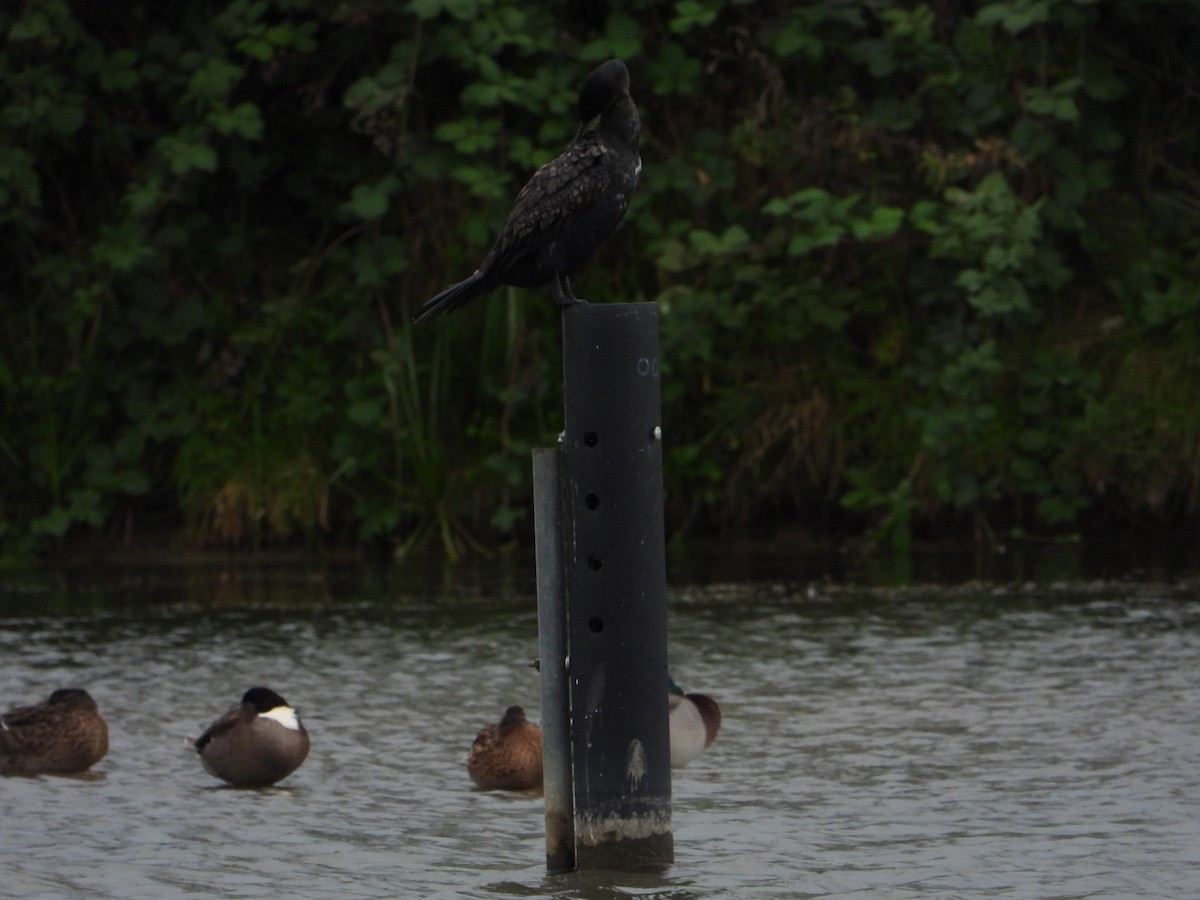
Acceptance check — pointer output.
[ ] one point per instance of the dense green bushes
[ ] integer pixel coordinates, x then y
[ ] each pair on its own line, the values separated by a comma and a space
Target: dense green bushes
918, 267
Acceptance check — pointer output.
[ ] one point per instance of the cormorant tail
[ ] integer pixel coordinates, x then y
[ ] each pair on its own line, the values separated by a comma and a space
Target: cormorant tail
454, 297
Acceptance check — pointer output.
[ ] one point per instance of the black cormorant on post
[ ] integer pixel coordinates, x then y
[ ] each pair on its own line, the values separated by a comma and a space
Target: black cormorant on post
569, 206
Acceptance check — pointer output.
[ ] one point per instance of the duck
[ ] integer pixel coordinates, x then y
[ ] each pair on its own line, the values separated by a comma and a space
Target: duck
64, 735
507, 755
255, 743
695, 720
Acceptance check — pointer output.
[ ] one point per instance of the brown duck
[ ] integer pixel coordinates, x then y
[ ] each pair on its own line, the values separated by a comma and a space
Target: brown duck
507, 756
63, 735
256, 743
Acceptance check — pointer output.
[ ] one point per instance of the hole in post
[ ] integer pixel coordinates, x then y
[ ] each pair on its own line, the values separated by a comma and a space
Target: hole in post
596, 624
591, 501
590, 438
595, 563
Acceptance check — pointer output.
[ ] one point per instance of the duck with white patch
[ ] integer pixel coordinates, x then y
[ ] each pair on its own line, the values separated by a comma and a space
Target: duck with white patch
695, 720
255, 743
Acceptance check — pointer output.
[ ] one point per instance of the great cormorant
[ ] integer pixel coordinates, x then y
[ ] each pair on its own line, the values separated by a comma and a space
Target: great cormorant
569, 206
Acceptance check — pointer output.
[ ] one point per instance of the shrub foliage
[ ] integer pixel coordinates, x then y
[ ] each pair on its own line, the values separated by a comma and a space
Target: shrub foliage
920, 266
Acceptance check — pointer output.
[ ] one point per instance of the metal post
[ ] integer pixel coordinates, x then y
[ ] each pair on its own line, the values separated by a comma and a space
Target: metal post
614, 573
553, 654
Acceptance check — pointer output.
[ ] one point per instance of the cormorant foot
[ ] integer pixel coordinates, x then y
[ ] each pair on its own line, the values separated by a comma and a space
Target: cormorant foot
563, 295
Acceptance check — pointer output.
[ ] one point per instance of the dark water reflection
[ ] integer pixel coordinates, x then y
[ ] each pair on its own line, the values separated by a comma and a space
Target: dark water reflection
1032, 741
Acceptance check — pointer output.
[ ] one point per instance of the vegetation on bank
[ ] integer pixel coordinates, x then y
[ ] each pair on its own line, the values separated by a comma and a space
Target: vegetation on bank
921, 268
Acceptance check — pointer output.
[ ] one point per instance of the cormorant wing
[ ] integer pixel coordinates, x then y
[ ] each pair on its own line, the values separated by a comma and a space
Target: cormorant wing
553, 198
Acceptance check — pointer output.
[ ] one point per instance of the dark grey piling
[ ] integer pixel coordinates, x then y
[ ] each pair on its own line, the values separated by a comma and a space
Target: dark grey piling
612, 574
552, 655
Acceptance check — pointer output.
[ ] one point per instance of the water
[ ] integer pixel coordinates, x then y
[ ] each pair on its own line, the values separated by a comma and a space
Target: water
944, 742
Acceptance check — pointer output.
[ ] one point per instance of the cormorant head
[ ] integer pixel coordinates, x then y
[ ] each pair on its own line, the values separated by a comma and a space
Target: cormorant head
608, 82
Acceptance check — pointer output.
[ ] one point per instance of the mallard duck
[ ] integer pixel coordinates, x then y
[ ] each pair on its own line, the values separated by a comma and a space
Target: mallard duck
507, 756
256, 743
695, 720
64, 734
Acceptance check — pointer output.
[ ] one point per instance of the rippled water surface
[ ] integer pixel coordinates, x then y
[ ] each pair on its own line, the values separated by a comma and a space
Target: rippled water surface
1026, 741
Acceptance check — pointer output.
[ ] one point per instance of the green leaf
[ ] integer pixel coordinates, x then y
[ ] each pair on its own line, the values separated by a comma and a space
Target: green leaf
470, 136
691, 14
243, 120
213, 80
367, 413
1180, 301
18, 177
256, 48
795, 39
1032, 138
65, 117
883, 222
121, 247
463, 10
143, 197
925, 216
877, 55
1014, 15
732, 239
673, 71
1057, 101
370, 201
672, 255
83, 506
1101, 83
118, 73
895, 113
806, 203
622, 38
32, 26
185, 156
